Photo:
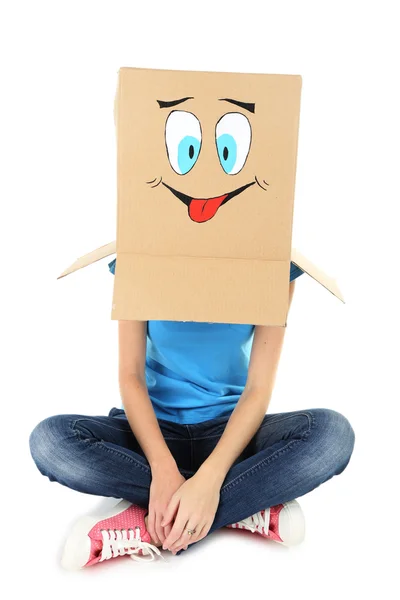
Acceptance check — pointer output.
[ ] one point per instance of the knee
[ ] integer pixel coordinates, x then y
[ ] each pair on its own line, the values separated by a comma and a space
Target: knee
44, 443
335, 439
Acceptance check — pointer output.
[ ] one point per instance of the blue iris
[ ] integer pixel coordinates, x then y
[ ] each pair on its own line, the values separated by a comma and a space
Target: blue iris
227, 151
188, 152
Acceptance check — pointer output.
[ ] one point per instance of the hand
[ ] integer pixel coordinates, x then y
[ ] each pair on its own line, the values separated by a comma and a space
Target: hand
165, 481
196, 502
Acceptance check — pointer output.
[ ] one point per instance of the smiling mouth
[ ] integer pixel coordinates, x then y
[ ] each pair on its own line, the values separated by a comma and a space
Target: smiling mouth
203, 209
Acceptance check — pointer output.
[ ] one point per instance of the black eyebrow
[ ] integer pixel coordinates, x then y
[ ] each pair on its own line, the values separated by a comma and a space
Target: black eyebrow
169, 103
246, 105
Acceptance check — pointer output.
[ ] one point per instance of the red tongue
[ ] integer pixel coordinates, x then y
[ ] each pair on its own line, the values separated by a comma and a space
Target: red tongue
203, 210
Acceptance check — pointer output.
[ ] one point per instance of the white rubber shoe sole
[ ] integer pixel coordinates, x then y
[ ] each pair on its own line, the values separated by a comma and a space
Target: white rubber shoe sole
291, 524
77, 548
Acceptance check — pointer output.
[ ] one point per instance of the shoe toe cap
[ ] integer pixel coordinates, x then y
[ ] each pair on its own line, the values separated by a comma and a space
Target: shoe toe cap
291, 524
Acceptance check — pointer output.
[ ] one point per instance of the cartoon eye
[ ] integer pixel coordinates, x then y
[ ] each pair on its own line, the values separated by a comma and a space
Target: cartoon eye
183, 140
233, 138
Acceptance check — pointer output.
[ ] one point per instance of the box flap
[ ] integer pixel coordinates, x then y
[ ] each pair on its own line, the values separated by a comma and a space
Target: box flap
296, 256
316, 273
90, 258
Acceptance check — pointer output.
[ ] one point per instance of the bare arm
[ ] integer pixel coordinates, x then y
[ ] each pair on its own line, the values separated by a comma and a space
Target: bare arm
253, 403
134, 394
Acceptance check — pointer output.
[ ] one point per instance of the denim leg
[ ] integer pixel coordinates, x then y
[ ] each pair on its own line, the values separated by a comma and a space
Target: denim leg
96, 455
290, 455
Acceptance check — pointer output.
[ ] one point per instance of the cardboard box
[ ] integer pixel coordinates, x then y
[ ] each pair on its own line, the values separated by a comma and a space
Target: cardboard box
206, 167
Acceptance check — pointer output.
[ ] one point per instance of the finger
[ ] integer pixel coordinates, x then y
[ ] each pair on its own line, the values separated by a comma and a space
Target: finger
180, 548
167, 530
205, 530
201, 532
150, 527
176, 531
179, 543
171, 509
158, 528
187, 538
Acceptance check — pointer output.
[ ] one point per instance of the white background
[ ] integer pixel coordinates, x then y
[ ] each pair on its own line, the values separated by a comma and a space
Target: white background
59, 63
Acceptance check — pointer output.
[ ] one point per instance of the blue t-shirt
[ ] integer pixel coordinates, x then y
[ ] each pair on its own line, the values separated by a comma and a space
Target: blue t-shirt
197, 371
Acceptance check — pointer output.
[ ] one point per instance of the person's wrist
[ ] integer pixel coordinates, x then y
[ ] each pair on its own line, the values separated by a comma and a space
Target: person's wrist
212, 472
163, 463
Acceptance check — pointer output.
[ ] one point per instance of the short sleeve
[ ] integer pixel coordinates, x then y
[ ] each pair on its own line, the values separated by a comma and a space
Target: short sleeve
295, 271
111, 266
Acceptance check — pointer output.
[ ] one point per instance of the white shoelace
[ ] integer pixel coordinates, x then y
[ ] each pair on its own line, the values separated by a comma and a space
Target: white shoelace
117, 542
255, 522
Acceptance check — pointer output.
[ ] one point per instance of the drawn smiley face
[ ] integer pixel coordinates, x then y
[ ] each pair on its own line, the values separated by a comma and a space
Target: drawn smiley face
184, 142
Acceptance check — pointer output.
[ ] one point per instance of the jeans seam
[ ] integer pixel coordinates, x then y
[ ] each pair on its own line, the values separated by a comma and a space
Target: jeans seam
265, 461
82, 439
259, 465
268, 424
129, 459
76, 432
310, 417
208, 437
93, 419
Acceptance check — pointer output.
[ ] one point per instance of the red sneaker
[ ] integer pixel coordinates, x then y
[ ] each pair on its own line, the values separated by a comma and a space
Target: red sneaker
283, 523
122, 530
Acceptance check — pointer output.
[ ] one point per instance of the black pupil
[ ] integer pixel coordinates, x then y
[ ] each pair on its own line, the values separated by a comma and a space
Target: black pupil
191, 151
225, 153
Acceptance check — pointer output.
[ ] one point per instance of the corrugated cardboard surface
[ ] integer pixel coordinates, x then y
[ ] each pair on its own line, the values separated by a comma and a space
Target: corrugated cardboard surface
316, 273
241, 290
90, 258
296, 256
212, 270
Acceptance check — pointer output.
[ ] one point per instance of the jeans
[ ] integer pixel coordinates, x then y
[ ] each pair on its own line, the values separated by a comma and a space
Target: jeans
291, 454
